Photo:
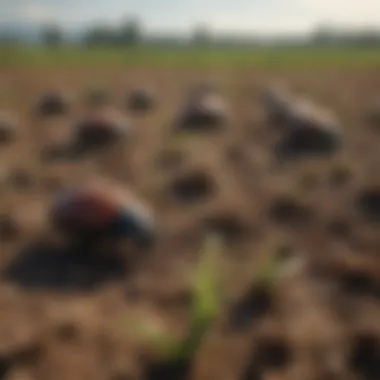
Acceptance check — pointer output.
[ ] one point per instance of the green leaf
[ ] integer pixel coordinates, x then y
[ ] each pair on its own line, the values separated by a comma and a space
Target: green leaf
205, 308
206, 303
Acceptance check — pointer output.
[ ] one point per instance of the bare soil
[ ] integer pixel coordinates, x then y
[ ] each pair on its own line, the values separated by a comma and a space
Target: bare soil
65, 321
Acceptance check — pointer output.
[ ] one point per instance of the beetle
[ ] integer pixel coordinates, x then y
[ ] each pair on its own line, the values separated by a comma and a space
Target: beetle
101, 210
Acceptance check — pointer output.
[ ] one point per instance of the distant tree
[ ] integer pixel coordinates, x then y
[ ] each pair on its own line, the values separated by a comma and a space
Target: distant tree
201, 35
366, 38
130, 32
99, 35
52, 35
324, 34
327, 34
9, 39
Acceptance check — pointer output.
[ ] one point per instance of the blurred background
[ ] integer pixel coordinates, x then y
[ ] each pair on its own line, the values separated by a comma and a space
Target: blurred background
207, 24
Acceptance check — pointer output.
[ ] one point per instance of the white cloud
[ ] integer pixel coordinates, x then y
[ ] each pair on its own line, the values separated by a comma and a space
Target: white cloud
37, 12
297, 15
26, 11
266, 23
356, 13
241, 15
269, 16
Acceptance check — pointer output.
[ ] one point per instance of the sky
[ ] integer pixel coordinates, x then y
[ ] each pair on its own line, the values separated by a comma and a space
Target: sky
265, 16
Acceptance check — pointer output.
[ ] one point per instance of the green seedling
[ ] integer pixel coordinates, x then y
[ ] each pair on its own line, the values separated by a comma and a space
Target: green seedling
206, 303
205, 307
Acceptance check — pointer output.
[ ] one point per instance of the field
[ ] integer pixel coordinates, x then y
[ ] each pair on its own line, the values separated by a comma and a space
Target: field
277, 58
319, 320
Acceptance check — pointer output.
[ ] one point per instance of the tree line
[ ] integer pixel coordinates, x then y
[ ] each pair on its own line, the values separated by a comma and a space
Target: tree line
130, 33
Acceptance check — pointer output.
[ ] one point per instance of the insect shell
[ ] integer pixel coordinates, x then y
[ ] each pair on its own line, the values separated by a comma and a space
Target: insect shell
100, 210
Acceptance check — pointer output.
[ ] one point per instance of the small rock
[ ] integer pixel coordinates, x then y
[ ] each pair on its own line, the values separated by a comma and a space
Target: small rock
368, 204
311, 131
192, 187
141, 100
101, 129
8, 228
203, 113
8, 127
53, 104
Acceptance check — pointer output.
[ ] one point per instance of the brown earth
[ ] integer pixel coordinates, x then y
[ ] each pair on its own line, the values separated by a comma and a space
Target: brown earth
324, 321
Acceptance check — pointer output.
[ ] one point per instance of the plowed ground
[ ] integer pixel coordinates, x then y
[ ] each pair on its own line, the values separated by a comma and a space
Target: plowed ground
63, 321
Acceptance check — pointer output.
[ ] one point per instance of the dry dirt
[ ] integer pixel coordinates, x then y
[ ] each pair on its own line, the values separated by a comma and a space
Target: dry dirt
65, 322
